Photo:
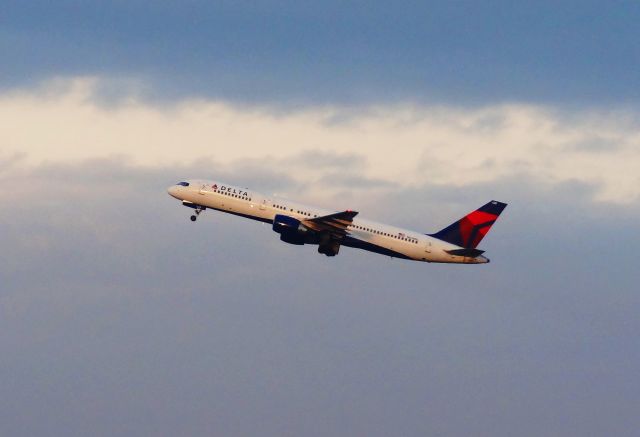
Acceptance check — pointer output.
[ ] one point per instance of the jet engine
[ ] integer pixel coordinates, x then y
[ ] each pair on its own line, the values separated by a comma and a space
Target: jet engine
290, 229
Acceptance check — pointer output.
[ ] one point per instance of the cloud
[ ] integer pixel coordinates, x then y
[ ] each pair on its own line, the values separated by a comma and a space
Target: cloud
115, 307
403, 145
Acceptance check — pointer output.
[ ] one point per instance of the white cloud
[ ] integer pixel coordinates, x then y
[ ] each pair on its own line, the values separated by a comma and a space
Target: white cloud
64, 121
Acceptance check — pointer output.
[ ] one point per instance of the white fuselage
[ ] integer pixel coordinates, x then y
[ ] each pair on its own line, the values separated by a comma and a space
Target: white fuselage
363, 234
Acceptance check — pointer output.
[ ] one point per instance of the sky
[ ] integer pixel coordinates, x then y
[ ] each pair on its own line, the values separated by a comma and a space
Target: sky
118, 316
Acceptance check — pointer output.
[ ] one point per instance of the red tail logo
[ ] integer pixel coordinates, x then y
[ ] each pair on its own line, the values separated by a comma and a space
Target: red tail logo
471, 229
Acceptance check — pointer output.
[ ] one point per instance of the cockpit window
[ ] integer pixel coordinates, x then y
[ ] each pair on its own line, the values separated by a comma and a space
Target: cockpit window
184, 184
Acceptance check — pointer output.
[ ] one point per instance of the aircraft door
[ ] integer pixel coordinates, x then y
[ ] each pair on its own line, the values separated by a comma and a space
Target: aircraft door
264, 203
427, 248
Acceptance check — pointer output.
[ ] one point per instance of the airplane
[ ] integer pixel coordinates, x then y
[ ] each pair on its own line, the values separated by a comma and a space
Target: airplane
302, 224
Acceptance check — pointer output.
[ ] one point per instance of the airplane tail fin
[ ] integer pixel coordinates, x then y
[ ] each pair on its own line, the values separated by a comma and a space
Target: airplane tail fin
471, 229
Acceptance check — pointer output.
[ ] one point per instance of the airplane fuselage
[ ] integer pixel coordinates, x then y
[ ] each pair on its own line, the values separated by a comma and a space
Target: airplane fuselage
360, 233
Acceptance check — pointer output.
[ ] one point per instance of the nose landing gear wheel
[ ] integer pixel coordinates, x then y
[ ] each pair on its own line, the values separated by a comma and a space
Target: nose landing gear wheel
198, 210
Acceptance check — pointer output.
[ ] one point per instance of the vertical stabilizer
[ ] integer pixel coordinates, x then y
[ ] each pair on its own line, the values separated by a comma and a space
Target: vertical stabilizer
471, 229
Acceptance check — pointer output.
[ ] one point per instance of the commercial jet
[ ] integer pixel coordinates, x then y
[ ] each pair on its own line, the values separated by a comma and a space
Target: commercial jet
302, 224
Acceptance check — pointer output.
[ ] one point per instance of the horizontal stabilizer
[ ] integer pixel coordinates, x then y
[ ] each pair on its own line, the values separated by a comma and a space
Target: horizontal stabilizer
471, 253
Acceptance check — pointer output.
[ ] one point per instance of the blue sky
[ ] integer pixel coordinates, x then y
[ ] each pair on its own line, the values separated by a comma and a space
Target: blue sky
465, 52
118, 316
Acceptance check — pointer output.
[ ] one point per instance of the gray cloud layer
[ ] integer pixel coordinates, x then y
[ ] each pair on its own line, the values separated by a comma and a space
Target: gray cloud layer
120, 317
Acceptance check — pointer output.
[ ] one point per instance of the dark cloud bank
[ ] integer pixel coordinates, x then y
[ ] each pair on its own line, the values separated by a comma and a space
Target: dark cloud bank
121, 317
285, 52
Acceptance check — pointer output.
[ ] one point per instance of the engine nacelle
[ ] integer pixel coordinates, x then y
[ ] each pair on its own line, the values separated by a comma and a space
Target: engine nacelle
290, 229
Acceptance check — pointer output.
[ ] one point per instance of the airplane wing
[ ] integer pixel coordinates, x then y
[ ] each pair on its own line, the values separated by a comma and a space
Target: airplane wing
336, 224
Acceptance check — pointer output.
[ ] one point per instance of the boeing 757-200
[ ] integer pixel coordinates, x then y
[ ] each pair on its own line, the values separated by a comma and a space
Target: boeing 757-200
302, 224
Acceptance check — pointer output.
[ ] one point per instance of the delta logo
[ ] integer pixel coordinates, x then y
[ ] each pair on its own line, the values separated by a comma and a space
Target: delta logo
229, 190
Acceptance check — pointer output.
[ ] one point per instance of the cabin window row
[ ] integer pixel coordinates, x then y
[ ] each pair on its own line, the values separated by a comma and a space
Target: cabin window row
386, 234
237, 196
284, 208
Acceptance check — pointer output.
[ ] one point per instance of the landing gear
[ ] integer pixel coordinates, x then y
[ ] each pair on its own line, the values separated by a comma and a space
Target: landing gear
198, 210
328, 246
329, 249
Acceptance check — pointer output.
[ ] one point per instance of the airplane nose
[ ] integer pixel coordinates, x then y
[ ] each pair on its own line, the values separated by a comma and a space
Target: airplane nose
173, 191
